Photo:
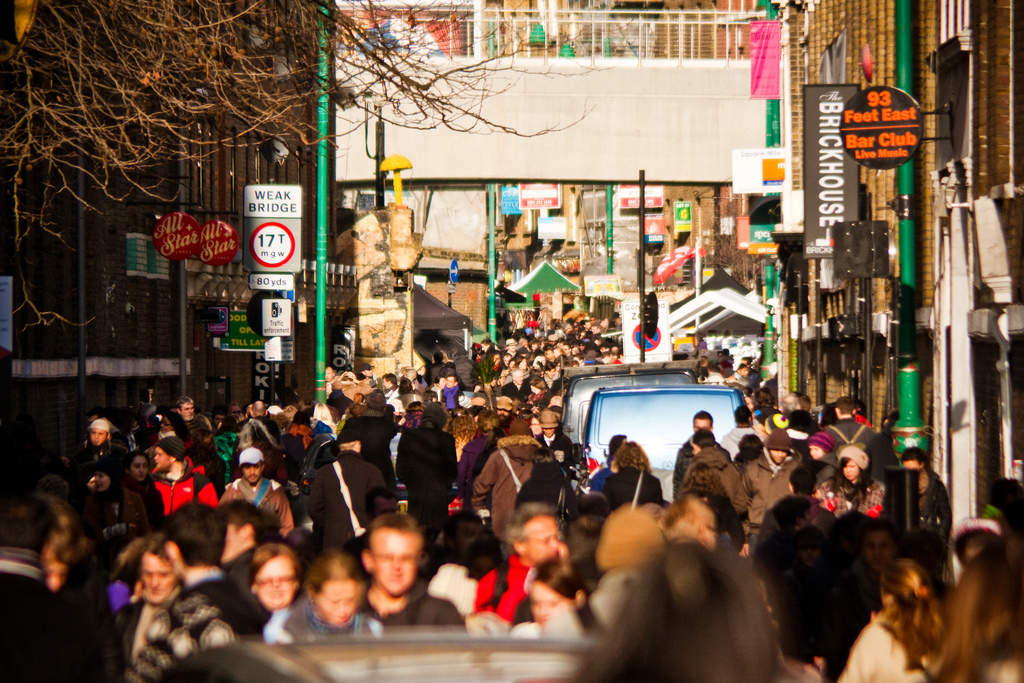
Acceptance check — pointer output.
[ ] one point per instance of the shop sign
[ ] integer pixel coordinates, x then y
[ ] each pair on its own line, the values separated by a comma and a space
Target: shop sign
881, 127
176, 236
218, 243
629, 196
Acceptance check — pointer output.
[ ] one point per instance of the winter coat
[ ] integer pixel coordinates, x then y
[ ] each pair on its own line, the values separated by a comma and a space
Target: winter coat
762, 488
877, 446
620, 487
730, 443
933, 506
190, 486
114, 520
427, 466
212, 613
877, 657
331, 519
559, 443
520, 394
496, 480
512, 574
295, 442
151, 499
421, 609
547, 483
718, 459
38, 623
375, 435
847, 610
465, 476
840, 498
275, 501
684, 456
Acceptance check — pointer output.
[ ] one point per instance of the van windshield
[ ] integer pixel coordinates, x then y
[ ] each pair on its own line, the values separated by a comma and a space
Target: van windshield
584, 387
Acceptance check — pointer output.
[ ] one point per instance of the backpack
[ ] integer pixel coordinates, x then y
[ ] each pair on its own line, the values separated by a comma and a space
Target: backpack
841, 439
319, 453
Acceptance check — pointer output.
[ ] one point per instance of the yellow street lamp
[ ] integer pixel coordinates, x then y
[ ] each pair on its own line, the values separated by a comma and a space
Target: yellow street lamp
396, 163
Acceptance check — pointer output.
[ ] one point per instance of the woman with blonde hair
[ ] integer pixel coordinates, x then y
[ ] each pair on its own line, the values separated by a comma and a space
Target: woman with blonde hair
631, 481
904, 637
323, 420
331, 603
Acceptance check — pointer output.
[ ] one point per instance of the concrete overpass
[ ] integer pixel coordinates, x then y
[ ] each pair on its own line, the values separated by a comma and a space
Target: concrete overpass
678, 119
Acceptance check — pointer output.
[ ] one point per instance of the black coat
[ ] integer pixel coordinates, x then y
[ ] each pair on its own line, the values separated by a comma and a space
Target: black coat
375, 434
620, 487
427, 466
520, 394
331, 519
421, 610
544, 485
38, 625
934, 508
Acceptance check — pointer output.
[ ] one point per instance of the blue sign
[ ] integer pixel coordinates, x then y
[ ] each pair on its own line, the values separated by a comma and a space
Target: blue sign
510, 200
453, 272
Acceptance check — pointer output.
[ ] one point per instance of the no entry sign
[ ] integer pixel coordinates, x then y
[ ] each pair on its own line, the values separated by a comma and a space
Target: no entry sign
881, 127
272, 227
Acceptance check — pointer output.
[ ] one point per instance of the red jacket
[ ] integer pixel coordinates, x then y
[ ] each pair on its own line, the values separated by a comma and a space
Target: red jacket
515, 590
191, 486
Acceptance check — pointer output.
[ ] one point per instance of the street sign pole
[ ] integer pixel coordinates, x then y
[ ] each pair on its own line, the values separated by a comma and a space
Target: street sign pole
640, 265
323, 170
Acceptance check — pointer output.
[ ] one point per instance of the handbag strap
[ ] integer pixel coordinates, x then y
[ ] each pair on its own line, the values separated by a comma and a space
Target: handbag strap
636, 493
357, 528
261, 492
508, 464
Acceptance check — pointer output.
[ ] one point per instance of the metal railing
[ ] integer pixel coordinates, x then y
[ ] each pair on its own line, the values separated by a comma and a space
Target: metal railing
593, 35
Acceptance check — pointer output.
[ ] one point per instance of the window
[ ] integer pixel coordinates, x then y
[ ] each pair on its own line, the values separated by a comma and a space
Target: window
142, 259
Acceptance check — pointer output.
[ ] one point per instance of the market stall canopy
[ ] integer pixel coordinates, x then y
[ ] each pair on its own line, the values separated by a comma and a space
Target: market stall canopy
724, 307
429, 313
544, 278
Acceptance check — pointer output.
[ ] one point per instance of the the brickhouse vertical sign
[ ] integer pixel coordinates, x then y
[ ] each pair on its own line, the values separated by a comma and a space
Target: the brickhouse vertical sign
830, 176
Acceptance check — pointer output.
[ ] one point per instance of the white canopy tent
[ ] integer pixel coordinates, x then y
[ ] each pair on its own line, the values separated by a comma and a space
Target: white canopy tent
712, 307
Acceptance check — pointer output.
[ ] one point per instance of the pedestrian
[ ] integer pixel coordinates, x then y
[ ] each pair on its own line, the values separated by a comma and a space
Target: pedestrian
35, 618
730, 443
274, 578
765, 481
631, 482
426, 464
174, 478
210, 611
158, 586
112, 515
137, 479
337, 499
499, 482
548, 484
707, 452
849, 430
933, 498
556, 587
375, 429
824, 463
534, 538
852, 487
259, 491
396, 596
702, 421
904, 638
247, 527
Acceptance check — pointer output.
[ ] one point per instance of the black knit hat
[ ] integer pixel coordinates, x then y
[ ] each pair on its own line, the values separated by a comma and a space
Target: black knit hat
172, 446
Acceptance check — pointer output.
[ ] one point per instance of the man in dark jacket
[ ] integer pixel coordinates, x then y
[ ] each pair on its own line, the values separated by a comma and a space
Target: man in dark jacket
702, 420
518, 389
427, 465
210, 611
848, 429
553, 439
337, 499
37, 623
933, 502
396, 596
375, 429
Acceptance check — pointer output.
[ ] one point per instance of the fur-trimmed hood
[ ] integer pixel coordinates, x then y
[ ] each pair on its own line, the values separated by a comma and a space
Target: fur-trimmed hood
517, 440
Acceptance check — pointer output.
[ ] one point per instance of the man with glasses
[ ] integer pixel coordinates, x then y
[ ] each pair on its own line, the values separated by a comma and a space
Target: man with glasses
535, 538
397, 596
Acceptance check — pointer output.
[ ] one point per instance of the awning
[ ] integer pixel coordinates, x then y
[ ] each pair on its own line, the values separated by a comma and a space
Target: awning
722, 311
544, 278
429, 313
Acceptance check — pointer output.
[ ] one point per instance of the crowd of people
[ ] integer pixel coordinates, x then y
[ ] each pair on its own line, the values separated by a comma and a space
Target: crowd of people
448, 497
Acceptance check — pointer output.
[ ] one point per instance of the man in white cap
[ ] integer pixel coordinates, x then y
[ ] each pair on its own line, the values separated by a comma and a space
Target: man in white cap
254, 488
99, 443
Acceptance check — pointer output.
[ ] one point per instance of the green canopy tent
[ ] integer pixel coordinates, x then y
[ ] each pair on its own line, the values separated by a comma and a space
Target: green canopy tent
543, 279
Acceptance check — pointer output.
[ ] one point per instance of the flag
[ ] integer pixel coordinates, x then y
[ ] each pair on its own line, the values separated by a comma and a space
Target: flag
765, 53
672, 261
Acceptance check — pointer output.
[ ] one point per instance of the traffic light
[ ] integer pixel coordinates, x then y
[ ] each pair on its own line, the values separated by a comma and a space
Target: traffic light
650, 315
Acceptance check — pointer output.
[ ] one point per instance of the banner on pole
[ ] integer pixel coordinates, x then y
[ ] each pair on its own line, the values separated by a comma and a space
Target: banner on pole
765, 55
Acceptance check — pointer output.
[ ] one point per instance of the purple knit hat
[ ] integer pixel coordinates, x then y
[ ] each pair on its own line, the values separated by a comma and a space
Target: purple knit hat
822, 440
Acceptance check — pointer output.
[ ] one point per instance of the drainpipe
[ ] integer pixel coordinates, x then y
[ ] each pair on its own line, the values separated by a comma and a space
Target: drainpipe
909, 429
1002, 336
323, 169
492, 318
609, 213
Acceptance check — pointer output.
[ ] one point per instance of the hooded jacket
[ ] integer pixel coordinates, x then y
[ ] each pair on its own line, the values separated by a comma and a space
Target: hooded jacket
190, 486
718, 459
762, 487
496, 479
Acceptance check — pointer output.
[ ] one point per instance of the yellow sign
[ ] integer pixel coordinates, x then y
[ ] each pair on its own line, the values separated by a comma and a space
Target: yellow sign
763, 248
603, 285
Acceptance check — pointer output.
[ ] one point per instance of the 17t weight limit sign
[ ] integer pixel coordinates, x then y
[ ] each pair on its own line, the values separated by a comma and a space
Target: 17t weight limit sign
272, 228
